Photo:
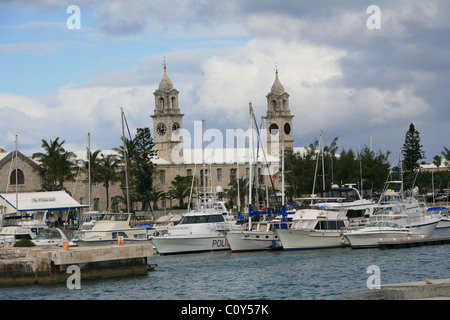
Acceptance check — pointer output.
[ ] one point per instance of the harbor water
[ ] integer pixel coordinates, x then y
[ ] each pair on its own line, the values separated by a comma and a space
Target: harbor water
269, 275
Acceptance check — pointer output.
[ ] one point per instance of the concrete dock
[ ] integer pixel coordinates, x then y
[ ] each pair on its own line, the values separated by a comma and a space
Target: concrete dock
408, 243
428, 289
24, 266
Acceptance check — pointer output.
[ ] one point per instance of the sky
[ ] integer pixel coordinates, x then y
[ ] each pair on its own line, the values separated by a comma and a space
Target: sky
362, 71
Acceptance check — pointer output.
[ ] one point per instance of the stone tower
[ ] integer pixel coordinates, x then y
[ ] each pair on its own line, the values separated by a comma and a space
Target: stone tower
278, 119
167, 122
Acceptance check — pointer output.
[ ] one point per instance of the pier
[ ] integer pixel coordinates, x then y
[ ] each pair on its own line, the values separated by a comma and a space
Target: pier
427, 289
25, 266
407, 243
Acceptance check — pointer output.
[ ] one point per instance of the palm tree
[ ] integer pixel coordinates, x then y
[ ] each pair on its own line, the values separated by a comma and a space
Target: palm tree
233, 191
180, 188
446, 154
155, 195
437, 160
107, 172
56, 164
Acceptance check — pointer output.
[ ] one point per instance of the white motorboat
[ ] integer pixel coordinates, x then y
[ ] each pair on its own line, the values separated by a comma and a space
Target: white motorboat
108, 229
355, 200
51, 237
445, 219
199, 230
378, 231
405, 211
259, 235
21, 229
11, 234
315, 228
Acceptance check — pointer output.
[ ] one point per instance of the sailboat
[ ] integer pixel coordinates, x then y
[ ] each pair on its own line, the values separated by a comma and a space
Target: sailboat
110, 228
199, 230
258, 235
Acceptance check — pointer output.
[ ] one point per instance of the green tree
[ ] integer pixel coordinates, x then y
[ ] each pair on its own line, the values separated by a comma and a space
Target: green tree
56, 165
107, 172
437, 160
412, 150
446, 154
140, 152
180, 189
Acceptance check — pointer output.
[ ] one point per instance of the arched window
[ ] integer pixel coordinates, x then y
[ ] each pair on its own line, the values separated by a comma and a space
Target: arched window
20, 177
173, 103
274, 104
285, 105
161, 103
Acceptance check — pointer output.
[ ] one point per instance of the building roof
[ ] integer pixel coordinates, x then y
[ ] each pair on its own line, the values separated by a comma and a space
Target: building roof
165, 84
277, 87
41, 201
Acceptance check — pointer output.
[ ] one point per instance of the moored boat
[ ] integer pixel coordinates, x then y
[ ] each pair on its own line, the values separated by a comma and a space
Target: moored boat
315, 227
378, 231
199, 230
108, 229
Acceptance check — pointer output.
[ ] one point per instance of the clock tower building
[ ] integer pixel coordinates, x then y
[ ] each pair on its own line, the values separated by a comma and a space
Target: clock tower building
167, 122
278, 119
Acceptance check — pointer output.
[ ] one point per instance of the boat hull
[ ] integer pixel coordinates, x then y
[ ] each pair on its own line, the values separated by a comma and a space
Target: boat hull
245, 240
372, 240
179, 244
293, 239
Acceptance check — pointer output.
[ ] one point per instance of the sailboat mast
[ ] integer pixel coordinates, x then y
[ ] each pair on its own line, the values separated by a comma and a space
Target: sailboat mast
250, 168
203, 162
17, 176
125, 158
89, 170
282, 173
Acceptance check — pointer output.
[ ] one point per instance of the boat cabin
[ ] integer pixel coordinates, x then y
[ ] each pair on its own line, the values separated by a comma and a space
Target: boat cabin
202, 218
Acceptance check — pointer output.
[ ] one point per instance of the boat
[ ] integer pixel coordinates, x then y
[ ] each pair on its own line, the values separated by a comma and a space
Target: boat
52, 237
356, 201
394, 206
162, 223
378, 231
202, 229
20, 228
259, 235
445, 219
9, 235
110, 229
315, 227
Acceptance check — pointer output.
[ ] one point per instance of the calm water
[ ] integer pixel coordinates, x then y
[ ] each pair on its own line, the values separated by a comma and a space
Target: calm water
306, 275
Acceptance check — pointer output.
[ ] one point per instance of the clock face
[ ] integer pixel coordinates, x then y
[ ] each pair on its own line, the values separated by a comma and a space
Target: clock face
161, 128
273, 128
175, 127
287, 128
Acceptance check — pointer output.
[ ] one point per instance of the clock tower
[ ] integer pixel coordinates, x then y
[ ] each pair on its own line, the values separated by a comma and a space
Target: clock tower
278, 119
167, 122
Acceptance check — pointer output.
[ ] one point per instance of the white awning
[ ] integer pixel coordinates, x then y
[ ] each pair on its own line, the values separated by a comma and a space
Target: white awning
40, 201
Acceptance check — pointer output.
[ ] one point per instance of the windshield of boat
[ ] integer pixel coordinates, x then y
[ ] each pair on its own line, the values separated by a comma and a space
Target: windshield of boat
383, 224
213, 218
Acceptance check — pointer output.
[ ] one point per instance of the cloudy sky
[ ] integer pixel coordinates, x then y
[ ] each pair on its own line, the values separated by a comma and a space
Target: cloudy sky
352, 72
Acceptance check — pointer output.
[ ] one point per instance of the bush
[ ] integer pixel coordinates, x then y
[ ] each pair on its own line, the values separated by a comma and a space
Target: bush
24, 243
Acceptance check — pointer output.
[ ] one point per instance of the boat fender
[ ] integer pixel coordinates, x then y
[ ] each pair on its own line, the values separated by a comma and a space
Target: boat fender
120, 241
428, 281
